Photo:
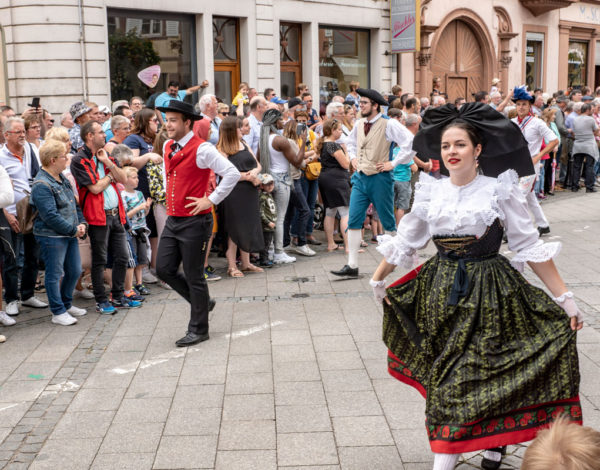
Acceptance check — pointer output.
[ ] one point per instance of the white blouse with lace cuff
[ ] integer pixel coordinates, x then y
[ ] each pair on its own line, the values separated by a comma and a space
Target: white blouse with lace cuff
442, 208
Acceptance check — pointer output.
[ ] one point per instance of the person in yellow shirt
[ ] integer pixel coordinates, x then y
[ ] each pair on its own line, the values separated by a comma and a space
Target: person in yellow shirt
242, 95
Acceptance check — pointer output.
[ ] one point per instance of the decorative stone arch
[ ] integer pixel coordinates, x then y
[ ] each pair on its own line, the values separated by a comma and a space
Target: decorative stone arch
483, 37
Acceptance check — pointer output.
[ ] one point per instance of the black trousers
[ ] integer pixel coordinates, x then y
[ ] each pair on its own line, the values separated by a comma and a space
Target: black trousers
30, 267
102, 237
185, 239
578, 161
297, 203
268, 237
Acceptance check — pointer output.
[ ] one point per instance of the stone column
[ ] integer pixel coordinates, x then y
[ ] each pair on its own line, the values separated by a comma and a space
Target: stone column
423, 60
563, 56
505, 58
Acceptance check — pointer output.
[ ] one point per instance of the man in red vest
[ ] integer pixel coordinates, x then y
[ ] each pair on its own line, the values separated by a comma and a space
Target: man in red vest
188, 163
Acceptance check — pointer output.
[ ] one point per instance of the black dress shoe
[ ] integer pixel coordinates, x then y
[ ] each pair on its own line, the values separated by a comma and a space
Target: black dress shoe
488, 464
543, 230
591, 190
346, 271
211, 304
190, 339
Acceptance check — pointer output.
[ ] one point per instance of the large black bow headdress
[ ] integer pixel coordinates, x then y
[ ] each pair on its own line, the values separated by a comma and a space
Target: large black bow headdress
504, 146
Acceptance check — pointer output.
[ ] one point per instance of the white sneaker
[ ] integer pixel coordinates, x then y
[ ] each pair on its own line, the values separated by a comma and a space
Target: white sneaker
6, 320
83, 294
76, 311
13, 308
165, 286
64, 319
305, 250
34, 302
283, 258
147, 277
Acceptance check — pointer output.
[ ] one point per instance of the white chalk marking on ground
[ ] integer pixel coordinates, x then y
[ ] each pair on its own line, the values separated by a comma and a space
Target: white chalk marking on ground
8, 407
66, 386
177, 353
554, 237
254, 329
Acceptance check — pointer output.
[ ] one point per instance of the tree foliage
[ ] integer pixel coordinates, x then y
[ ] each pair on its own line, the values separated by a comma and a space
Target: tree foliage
128, 54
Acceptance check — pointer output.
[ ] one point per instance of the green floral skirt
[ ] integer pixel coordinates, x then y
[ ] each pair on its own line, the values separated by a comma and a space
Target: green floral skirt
495, 367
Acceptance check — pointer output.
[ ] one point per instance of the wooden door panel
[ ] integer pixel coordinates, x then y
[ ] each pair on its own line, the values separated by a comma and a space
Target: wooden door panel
469, 57
457, 88
444, 61
459, 59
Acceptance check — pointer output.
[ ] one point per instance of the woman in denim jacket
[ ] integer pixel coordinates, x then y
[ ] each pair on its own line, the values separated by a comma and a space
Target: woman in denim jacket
56, 227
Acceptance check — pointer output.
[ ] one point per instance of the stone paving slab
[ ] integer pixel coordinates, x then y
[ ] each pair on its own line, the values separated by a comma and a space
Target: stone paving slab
293, 377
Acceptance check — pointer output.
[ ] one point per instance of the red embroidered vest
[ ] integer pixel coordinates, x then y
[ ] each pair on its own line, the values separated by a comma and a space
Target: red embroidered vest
184, 178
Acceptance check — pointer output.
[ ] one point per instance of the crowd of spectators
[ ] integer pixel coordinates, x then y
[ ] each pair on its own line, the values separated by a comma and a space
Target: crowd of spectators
84, 202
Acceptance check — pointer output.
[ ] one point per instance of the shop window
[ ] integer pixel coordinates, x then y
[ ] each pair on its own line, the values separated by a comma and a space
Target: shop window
290, 47
139, 39
343, 57
226, 47
578, 63
534, 60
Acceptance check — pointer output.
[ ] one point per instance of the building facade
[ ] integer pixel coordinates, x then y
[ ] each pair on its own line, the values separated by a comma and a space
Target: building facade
68, 50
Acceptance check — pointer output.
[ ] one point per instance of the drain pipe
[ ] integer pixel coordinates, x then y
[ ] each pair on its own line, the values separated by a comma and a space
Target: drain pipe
82, 49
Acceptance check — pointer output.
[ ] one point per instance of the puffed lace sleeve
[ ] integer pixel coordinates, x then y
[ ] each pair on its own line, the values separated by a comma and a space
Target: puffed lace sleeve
523, 238
413, 230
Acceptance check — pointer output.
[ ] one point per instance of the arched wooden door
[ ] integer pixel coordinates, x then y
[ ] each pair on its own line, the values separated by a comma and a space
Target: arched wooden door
459, 61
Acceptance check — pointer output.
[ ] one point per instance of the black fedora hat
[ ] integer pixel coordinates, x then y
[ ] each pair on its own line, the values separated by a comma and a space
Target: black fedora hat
176, 106
372, 95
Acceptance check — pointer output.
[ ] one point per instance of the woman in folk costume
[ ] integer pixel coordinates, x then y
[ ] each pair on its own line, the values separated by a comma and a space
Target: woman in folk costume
494, 356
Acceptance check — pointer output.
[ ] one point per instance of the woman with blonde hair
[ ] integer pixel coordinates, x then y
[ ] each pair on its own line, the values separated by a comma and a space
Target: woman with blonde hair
348, 119
61, 134
56, 228
241, 207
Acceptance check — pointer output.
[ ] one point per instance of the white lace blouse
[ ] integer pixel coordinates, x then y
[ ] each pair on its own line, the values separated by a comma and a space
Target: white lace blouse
441, 208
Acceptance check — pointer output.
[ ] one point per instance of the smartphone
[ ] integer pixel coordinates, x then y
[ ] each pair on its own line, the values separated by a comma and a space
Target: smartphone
300, 128
35, 102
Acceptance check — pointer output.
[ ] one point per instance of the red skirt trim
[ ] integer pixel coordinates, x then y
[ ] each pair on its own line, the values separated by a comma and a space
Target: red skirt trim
513, 427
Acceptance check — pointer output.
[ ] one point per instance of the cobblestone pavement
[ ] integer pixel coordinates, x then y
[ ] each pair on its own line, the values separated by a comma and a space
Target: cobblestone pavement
294, 375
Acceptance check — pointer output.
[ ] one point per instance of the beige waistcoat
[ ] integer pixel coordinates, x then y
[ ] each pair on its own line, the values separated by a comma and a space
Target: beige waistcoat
372, 148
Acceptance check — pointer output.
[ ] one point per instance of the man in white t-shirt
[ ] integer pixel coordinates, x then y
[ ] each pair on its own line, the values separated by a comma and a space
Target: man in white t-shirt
535, 132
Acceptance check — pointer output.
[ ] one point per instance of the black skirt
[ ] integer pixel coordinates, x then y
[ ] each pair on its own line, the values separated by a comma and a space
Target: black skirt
334, 185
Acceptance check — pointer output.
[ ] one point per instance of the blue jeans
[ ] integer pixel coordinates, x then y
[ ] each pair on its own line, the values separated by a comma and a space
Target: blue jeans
310, 188
61, 258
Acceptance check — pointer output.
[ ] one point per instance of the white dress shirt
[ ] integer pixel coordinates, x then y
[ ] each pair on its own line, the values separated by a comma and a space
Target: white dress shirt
253, 138
394, 132
19, 173
535, 132
208, 157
